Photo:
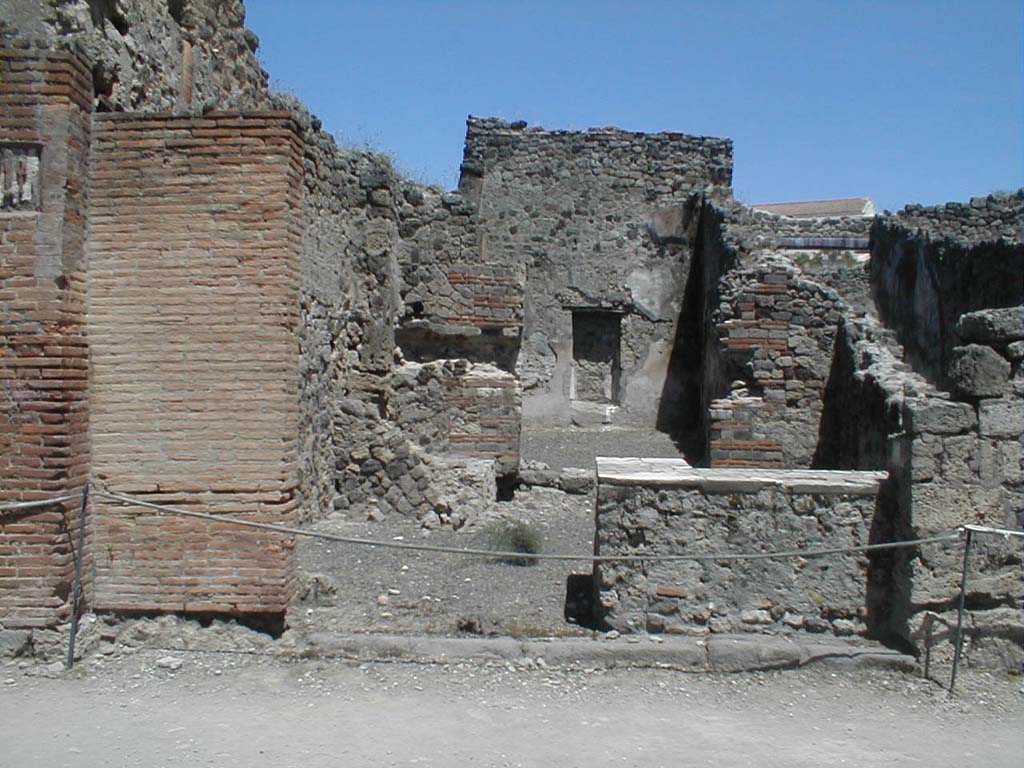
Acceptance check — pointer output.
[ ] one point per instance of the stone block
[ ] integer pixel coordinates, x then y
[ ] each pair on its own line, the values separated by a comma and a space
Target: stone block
945, 506
1001, 418
992, 325
576, 480
939, 417
977, 371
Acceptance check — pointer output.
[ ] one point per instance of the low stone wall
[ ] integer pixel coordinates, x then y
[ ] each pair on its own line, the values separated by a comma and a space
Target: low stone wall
460, 408
761, 230
664, 507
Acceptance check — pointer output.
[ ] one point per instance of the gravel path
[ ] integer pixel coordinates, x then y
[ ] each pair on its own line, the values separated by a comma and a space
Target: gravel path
231, 710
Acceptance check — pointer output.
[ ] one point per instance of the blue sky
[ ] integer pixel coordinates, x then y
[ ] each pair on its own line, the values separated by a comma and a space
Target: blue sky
902, 101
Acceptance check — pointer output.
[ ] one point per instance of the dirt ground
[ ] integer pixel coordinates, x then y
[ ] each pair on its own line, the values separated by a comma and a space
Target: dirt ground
222, 709
395, 591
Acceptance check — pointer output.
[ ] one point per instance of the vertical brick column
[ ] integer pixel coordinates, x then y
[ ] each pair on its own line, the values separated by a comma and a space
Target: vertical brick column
45, 101
195, 236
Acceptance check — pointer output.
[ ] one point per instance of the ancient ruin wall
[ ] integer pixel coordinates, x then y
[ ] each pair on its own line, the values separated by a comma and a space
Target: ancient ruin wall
757, 230
775, 330
195, 236
579, 212
931, 265
661, 509
950, 462
154, 55
459, 300
44, 134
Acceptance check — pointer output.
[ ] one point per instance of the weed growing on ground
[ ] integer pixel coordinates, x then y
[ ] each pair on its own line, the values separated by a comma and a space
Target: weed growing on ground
507, 534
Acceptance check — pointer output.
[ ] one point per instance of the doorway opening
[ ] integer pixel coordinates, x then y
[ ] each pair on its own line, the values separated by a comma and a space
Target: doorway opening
596, 364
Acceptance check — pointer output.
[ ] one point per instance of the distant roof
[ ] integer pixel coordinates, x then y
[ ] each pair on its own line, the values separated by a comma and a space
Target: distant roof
821, 209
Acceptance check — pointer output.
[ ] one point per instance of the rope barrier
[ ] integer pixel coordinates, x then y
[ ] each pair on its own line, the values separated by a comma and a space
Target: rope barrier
966, 532
996, 531
19, 505
634, 557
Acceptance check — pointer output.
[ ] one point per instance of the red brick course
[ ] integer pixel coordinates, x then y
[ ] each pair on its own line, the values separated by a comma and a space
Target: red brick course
195, 235
45, 100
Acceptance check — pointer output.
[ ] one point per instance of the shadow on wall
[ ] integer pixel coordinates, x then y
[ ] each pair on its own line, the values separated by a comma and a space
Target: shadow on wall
679, 408
686, 393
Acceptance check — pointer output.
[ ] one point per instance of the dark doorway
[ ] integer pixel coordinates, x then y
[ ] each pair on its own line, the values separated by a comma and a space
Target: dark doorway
595, 355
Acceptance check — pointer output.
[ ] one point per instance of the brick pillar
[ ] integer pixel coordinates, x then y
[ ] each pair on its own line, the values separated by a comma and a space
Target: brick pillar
195, 238
45, 101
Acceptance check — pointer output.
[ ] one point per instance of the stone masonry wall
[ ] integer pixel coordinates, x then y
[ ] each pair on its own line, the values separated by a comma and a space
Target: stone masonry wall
757, 230
952, 461
699, 511
446, 419
931, 265
459, 302
195, 237
598, 220
44, 416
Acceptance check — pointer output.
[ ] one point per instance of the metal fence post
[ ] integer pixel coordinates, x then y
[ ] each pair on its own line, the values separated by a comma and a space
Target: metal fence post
76, 595
960, 612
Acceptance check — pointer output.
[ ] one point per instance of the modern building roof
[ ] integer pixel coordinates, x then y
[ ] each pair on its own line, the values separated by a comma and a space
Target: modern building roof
821, 209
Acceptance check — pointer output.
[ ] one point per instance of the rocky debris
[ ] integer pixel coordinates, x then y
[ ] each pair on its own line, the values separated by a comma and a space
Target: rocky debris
992, 326
172, 663
575, 480
15, 642
978, 371
316, 588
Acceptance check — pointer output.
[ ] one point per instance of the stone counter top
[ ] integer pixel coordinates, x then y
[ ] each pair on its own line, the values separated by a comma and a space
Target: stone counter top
677, 473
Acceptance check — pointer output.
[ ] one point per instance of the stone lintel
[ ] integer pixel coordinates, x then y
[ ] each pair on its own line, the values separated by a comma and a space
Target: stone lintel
678, 474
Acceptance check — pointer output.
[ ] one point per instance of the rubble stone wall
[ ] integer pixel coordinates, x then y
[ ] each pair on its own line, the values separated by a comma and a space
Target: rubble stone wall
151, 55
931, 265
599, 221
757, 230
702, 511
44, 415
195, 239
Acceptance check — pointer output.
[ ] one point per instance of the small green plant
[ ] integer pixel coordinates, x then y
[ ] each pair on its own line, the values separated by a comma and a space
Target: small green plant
507, 534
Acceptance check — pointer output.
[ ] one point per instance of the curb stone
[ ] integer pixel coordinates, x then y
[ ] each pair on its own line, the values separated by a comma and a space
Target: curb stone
718, 653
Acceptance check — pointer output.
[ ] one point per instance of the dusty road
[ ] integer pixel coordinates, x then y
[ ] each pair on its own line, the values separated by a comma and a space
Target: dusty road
231, 710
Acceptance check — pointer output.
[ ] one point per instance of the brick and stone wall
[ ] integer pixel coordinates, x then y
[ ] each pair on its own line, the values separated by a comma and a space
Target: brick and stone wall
459, 302
194, 246
45, 101
653, 507
775, 332
600, 224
